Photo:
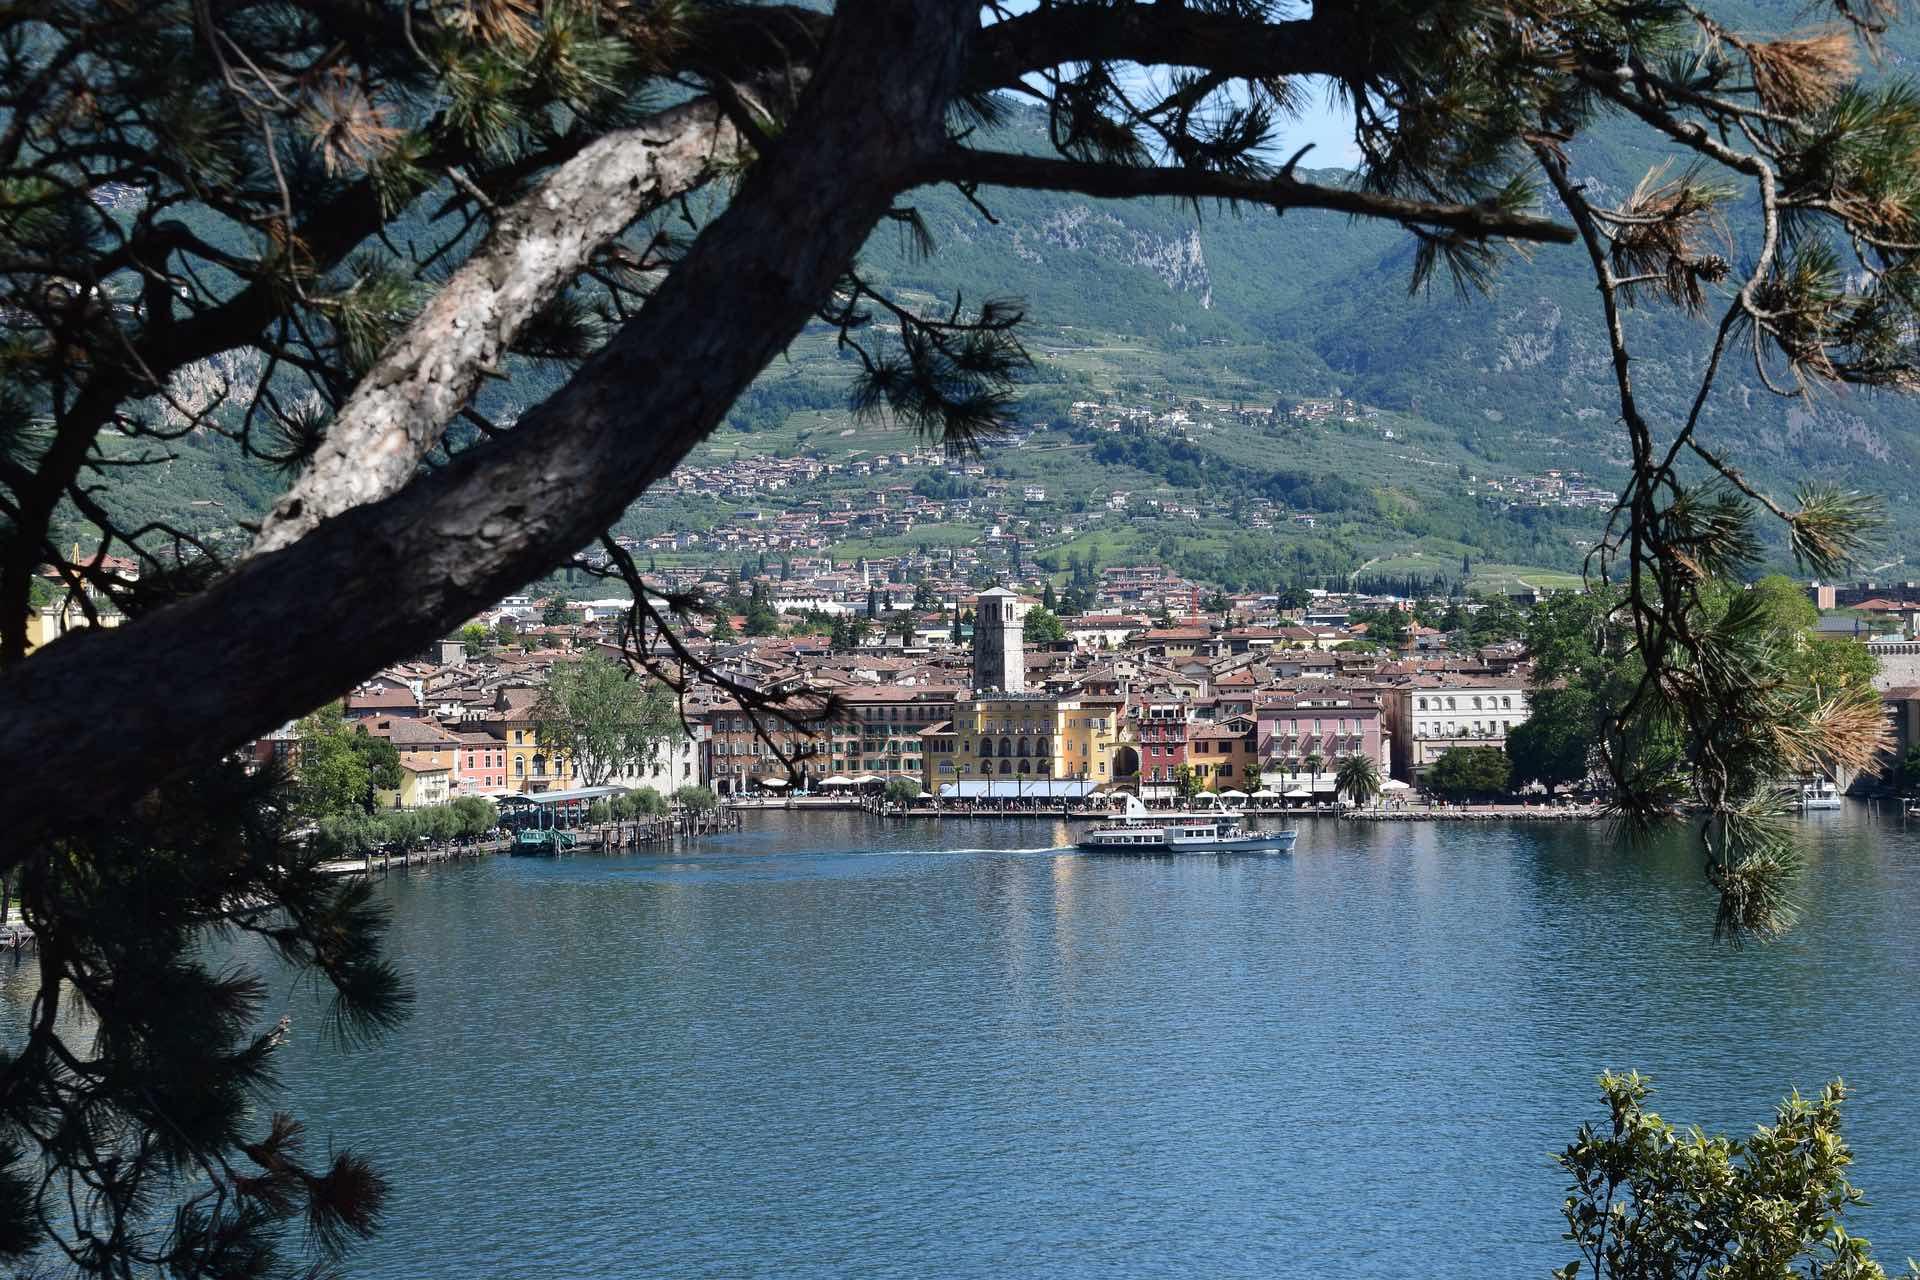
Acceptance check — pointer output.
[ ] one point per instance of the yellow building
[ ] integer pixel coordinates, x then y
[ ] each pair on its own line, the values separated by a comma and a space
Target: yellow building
50, 622
420, 743
421, 785
532, 766
1014, 736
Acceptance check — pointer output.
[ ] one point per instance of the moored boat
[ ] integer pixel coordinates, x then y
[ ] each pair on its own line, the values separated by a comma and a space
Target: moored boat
536, 842
1820, 793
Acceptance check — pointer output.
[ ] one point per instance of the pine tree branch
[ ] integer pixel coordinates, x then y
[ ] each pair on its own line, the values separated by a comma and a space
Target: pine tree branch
401, 408
100, 717
147, 358
1006, 169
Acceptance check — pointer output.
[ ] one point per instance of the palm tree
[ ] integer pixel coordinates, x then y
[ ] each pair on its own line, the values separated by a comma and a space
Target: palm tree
1358, 779
1311, 762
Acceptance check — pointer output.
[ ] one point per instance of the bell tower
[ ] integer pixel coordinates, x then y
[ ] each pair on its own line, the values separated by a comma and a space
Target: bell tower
999, 659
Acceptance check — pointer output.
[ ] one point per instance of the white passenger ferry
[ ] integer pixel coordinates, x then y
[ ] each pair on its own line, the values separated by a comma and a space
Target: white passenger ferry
1140, 830
1819, 793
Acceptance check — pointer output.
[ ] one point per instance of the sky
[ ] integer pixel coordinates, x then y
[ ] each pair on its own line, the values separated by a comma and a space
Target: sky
1328, 126
1325, 124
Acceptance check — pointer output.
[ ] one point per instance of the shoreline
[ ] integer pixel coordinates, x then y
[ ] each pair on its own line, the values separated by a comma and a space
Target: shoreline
1479, 813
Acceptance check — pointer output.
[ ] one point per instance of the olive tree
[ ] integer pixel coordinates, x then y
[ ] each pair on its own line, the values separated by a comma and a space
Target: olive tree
1647, 1199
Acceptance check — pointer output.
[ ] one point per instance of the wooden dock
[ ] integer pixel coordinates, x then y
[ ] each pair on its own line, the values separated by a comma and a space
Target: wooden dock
660, 832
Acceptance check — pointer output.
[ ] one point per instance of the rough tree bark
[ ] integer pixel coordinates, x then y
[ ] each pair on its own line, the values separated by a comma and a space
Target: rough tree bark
400, 409
291, 628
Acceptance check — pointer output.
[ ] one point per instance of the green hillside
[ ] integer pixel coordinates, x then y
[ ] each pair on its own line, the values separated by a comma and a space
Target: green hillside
1158, 304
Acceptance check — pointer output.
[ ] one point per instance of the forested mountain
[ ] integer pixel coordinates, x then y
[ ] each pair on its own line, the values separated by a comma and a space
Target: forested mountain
1250, 306
1516, 375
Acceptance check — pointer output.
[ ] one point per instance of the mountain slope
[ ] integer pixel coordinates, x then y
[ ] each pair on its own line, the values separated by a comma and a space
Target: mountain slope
1154, 299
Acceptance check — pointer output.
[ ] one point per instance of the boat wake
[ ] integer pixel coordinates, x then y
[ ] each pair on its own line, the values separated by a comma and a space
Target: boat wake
920, 853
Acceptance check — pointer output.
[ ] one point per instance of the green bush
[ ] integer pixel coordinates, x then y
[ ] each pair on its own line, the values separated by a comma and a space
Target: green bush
475, 816
347, 835
902, 790
1648, 1199
1470, 771
697, 798
642, 803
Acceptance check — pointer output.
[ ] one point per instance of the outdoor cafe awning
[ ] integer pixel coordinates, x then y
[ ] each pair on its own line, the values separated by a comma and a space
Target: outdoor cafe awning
772, 782
559, 797
1039, 789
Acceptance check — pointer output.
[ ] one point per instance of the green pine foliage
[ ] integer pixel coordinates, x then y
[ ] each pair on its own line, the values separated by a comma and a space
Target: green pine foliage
181, 1044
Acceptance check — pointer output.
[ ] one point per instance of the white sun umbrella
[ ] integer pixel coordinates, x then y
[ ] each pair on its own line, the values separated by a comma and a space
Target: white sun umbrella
1266, 793
772, 782
1299, 793
836, 781
1394, 784
864, 779
1231, 794
926, 795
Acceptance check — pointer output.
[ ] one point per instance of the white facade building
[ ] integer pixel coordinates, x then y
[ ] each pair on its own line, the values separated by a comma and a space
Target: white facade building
678, 762
1433, 714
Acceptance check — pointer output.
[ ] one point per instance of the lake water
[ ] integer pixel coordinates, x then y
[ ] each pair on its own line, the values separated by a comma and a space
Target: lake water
831, 1047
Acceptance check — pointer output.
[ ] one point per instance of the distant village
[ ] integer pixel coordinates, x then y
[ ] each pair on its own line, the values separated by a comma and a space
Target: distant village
1011, 516
955, 667
898, 674
789, 504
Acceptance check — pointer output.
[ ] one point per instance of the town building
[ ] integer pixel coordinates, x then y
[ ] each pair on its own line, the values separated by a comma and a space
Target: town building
1015, 736
1226, 756
890, 720
1158, 736
421, 786
1431, 714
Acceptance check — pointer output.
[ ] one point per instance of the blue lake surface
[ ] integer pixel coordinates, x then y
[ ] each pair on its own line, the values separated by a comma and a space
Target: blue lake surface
828, 1046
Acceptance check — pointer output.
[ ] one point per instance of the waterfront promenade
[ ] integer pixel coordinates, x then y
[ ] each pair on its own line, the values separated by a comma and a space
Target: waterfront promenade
1386, 811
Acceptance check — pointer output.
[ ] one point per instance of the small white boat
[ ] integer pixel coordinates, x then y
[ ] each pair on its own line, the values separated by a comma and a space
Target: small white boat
1140, 830
1820, 793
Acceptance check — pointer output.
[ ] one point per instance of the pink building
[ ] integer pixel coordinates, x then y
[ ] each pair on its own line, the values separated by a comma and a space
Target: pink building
1161, 727
1332, 725
480, 765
